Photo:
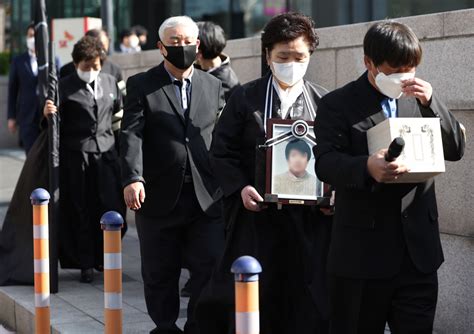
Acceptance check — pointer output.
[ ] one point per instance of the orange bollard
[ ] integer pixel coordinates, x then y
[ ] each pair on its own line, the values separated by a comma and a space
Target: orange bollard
247, 314
39, 200
112, 223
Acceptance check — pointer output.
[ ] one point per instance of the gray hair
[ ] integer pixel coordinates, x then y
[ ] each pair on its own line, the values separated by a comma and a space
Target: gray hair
175, 21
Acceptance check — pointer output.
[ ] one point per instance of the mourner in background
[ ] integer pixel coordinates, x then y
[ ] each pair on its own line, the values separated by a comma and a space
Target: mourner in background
291, 243
24, 112
169, 118
385, 249
129, 42
89, 166
211, 59
142, 35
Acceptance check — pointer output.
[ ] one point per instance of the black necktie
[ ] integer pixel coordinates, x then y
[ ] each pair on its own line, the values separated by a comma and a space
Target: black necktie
184, 105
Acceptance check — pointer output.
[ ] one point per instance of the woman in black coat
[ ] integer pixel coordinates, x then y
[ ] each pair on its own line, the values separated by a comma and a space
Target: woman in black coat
291, 244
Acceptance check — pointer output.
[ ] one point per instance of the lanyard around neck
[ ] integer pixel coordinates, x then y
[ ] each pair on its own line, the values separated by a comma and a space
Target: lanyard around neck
269, 103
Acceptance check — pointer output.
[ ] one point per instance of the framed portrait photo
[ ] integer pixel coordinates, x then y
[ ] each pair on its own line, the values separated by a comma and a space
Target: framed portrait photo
290, 176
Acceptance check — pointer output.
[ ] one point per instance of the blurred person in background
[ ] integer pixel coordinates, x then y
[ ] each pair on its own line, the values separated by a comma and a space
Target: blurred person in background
211, 59
129, 42
23, 109
142, 35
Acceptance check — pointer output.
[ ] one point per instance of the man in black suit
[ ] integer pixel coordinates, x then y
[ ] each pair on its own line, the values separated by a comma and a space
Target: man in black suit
24, 112
23, 109
169, 116
385, 248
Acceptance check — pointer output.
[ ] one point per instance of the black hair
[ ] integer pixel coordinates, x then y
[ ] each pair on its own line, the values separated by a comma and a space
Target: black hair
88, 48
126, 33
287, 27
212, 39
298, 145
96, 33
140, 30
392, 42
30, 26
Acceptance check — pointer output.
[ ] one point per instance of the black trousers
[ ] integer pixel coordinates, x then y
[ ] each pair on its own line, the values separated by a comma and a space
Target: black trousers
292, 249
363, 306
186, 233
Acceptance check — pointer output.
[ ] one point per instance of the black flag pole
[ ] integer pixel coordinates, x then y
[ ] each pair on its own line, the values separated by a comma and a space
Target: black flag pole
53, 145
47, 89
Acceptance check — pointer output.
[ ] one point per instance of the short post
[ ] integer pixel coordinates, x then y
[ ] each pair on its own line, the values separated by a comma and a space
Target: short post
247, 315
112, 223
39, 200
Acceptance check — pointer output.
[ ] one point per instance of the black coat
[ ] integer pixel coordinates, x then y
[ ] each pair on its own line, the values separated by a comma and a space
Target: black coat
87, 126
156, 138
239, 130
227, 76
234, 155
373, 223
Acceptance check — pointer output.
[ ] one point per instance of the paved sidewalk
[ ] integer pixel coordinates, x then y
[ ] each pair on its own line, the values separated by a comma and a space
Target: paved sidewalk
77, 308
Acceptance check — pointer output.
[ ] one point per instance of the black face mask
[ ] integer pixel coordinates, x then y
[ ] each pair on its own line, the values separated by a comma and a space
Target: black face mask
181, 57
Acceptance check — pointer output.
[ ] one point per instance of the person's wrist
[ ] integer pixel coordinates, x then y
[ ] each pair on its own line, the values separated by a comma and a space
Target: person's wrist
425, 102
369, 166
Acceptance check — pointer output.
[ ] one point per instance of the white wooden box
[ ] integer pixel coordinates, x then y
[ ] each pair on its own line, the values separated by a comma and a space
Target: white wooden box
423, 152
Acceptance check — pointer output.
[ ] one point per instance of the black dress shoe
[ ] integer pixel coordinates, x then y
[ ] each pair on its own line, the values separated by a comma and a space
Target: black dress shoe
87, 275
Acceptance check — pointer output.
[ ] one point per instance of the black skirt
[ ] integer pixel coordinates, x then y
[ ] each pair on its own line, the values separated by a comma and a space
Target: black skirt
291, 245
89, 187
16, 237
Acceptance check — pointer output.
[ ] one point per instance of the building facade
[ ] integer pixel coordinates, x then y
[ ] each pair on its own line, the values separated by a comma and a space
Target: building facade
239, 18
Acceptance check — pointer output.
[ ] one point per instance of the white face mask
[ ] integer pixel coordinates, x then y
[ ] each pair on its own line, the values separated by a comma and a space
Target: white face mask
30, 43
88, 76
290, 73
134, 42
391, 85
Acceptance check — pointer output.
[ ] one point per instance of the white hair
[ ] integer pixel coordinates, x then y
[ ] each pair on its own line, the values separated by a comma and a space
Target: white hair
175, 21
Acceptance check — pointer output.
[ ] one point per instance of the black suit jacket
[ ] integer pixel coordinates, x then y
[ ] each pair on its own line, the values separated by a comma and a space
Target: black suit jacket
157, 141
86, 123
225, 73
22, 92
374, 223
